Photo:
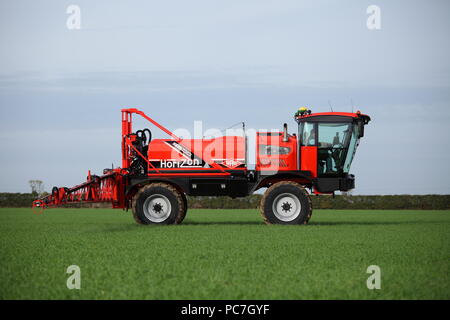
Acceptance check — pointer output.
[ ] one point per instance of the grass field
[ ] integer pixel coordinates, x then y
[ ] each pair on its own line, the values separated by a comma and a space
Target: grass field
224, 254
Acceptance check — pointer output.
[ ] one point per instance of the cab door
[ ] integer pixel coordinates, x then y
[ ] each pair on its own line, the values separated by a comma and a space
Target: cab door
308, 147
332, 147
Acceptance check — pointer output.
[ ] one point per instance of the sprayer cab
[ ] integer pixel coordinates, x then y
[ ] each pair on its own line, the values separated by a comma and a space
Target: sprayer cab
328, 143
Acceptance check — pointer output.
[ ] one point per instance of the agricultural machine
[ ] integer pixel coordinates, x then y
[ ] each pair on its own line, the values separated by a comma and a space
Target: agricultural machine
157, 174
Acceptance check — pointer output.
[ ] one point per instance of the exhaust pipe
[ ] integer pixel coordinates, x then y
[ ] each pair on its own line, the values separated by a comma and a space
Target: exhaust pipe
285, 133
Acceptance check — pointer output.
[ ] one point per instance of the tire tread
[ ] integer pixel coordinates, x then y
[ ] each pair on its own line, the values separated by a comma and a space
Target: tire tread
276, 185
181, 204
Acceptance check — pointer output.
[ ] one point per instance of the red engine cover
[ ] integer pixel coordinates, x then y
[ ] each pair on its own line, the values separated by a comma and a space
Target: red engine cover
267, 157
227, 152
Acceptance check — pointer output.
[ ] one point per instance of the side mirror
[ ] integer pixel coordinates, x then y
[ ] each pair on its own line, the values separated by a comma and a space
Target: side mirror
361, 128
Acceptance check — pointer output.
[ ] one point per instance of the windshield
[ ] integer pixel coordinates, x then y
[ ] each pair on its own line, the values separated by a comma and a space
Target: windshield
354, 142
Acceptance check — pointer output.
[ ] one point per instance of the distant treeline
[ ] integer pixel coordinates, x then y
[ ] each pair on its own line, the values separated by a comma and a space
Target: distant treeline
426, 202
16, 200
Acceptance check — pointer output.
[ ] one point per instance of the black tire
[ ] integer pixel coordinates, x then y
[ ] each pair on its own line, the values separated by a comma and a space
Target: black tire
185, 202
158, 203
286, 202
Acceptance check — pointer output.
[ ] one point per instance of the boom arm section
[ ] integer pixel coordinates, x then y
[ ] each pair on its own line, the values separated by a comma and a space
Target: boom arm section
106, 188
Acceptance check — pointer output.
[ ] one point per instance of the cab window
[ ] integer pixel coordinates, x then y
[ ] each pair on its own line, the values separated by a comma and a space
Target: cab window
332, 147
308, 134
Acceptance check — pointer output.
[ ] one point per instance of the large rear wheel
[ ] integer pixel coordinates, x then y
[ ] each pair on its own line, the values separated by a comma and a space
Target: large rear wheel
158, 203
286, 202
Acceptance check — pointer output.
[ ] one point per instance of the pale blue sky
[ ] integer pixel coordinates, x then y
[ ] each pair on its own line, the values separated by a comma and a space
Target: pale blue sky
223, 62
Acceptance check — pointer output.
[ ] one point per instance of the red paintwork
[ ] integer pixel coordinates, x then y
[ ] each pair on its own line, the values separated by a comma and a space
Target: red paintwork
308, 160
287, 162
220, 153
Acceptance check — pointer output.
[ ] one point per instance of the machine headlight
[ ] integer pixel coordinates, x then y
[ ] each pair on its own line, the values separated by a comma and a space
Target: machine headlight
268, 150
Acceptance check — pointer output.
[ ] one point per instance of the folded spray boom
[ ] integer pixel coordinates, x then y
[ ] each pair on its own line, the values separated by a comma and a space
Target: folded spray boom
104, 188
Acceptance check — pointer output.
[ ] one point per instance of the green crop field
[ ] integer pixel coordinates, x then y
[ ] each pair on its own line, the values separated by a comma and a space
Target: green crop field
224, 254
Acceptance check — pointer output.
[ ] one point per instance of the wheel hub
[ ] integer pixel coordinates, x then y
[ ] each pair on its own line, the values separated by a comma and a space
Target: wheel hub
157, 208
286, 207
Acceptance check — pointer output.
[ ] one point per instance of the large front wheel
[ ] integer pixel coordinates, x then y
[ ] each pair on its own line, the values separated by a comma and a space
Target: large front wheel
286, 202
158, 203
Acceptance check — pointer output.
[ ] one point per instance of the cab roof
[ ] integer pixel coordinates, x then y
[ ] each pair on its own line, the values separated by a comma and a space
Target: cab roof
333, 117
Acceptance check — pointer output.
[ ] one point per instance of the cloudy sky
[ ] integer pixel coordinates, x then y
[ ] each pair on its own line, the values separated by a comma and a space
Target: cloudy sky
222, 62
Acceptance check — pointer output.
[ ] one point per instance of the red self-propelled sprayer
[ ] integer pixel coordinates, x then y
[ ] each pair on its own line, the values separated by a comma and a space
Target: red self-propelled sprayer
157, 174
